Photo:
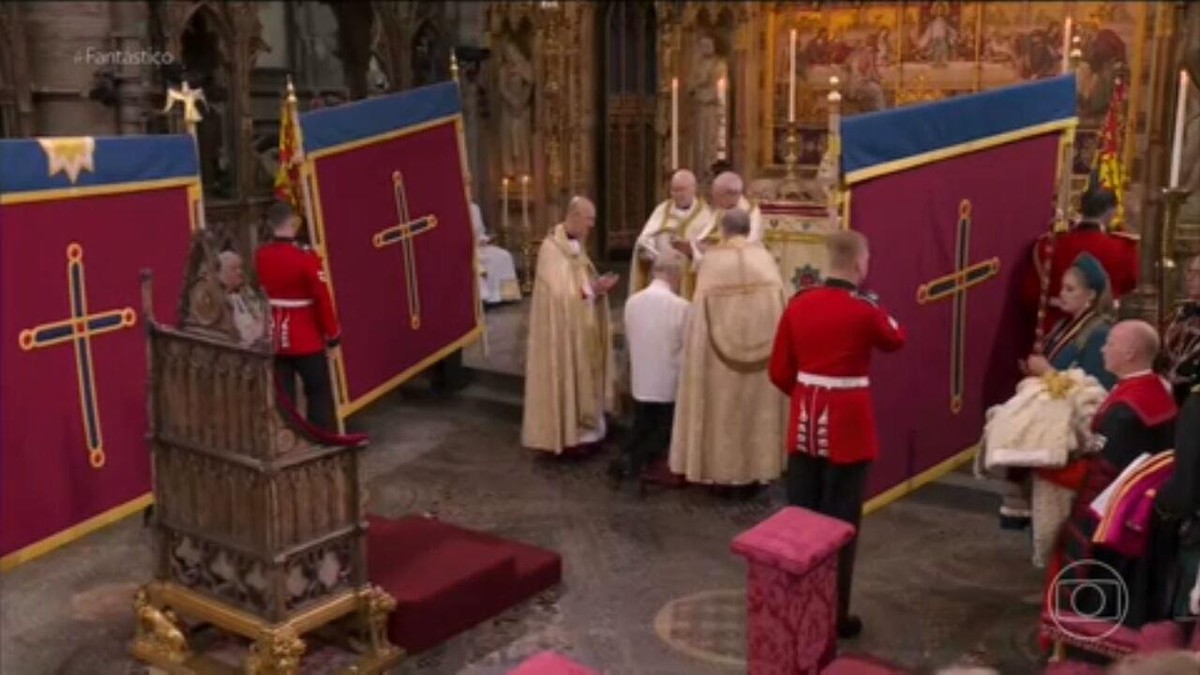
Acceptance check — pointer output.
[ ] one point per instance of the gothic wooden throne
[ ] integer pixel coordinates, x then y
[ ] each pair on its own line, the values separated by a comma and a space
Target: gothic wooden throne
258, 523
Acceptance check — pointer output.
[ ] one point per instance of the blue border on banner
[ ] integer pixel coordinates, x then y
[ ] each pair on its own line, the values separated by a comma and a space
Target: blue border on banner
117, 160
331, 127
887, 136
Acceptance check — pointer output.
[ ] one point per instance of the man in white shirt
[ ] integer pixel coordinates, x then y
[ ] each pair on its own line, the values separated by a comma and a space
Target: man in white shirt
655, 318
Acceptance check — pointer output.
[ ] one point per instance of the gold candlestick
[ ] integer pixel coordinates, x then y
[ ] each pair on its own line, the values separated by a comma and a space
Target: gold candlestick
793, 147
527, 248
1174, 197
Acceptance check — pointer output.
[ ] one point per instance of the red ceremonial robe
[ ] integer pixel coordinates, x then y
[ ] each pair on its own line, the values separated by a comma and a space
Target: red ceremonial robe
1137, 416
1117, 253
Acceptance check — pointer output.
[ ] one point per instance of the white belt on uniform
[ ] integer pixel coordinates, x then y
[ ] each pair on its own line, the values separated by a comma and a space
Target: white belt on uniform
827, 382
290, 304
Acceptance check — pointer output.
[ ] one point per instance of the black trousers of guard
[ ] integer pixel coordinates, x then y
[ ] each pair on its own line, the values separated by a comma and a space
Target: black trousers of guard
650, 436
834, 490
313, 370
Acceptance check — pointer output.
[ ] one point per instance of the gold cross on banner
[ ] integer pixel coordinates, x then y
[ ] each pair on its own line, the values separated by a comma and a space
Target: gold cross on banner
79, 330
955, 286
403, 233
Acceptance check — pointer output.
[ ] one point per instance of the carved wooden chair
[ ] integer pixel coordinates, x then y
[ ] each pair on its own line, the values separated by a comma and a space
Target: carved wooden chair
259, 523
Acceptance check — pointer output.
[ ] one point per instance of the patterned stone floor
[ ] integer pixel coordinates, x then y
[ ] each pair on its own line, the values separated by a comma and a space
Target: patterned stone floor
650, 585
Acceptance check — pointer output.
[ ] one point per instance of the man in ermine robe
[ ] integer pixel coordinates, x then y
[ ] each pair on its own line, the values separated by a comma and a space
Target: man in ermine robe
569, 367
729, 418
677, 219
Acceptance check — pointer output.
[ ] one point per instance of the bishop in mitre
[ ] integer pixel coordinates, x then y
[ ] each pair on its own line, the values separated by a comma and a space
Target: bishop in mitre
675, 221
729, 419
497, 273
569, 367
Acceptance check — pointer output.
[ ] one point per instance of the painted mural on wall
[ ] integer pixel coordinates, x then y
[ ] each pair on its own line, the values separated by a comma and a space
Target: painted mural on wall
890, 54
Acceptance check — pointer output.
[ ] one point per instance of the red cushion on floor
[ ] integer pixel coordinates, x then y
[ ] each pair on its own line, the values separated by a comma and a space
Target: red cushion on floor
443, 583
549, 663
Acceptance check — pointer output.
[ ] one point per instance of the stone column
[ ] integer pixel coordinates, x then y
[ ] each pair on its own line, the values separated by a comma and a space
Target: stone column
129, 38
791, 593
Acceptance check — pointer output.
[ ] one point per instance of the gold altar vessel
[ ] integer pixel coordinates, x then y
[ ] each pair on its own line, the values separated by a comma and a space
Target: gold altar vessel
258, 524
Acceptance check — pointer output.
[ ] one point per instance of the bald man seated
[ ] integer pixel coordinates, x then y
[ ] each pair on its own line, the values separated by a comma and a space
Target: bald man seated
677, 220
1137, 416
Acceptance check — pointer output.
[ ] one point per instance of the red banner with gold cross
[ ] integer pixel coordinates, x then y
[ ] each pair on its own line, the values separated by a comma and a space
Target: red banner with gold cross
951, 195
385, 178
79, 219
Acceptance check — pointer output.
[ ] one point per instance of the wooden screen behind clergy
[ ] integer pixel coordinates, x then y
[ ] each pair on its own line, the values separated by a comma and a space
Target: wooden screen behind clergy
628, 143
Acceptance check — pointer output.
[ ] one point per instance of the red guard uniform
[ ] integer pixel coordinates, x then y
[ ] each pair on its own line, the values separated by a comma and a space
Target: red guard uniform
302, 316
821, 359
1117, 253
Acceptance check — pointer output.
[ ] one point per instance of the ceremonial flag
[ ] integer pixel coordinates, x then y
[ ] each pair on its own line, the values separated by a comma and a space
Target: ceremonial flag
392, 222
79, 219
1106, 164
287, 176
932, 187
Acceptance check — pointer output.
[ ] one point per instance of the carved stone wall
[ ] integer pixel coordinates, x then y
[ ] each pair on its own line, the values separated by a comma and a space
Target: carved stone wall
16, 106
240, 32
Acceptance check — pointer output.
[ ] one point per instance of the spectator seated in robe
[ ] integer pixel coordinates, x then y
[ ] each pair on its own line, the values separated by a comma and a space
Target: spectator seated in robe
1136, 418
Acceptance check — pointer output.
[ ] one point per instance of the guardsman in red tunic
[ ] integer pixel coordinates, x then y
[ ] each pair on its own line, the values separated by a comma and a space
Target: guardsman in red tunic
1055, 253
303, 322
821, 359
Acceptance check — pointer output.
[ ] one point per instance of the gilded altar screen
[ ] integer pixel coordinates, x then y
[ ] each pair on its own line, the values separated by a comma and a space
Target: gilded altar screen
892, 54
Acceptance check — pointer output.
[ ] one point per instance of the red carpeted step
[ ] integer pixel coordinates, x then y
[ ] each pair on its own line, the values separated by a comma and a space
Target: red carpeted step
537, 568
447, 579
443, 583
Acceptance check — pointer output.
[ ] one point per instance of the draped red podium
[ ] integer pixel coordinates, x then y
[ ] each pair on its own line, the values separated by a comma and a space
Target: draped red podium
951, 196
388, 192
79, 219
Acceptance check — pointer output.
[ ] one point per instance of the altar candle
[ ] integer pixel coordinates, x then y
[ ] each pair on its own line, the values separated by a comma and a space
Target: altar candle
1177, 140
1066, 47
724, 117
504, 204
674, 123
525, 201
792, 79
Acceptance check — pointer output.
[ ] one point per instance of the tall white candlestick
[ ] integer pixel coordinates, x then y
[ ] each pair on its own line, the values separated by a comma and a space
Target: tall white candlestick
1066, 47
792, 79
525, 201
674, 123
1177, 140
504, 205
721, 84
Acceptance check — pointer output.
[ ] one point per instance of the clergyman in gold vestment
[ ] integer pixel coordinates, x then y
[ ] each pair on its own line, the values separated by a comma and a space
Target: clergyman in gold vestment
676, 221
569, 367
729, 419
